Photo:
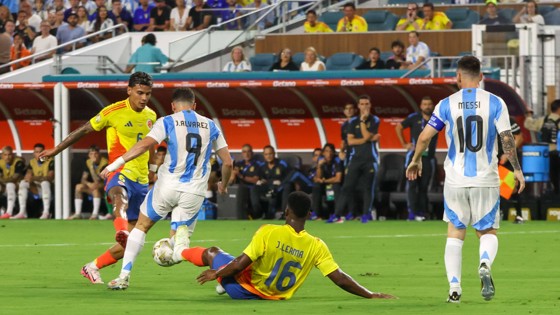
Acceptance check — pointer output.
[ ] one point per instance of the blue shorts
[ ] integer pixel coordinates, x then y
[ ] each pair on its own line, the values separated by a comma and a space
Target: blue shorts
136, 193
232, 287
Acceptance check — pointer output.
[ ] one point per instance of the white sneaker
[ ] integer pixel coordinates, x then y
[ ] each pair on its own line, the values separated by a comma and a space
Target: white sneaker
118, 283
92, 274
45, 215
220, 290
108, 216
19, 216
75, 216
181, 242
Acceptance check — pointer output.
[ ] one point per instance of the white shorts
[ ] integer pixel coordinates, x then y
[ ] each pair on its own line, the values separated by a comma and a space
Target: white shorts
160, 201
477, 206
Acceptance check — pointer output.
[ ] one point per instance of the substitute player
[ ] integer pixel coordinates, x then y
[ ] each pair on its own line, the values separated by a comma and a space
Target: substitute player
38, 179
12, 170
277, 261
473, 119
126, 123
182, 178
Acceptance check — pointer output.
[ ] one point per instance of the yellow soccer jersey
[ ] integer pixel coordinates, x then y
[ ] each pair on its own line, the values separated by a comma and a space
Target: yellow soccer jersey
358, 24
125, 127
282, 259
410, 27
319, 27
438, 22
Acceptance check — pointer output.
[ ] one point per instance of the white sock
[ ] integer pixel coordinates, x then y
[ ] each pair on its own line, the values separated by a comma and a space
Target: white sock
96, 205
453, 263
22, 196
134, 245
78, 205
11, 196
46, 194
488, 249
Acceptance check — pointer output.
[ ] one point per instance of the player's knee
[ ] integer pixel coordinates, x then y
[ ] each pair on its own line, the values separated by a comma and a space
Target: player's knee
210, 253
24, 184
79, 188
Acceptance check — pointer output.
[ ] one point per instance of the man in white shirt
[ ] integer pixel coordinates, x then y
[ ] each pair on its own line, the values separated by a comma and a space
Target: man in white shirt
44, 42
417, 52
33, 19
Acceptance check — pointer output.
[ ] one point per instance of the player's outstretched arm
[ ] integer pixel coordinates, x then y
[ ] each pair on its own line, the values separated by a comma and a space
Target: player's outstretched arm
138, 149
345, 282
234, 267
72, 138
415, 167
508, 144
227, 166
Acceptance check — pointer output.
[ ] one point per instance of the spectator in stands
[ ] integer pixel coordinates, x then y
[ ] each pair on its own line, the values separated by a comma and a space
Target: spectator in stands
56, 5
245, 173
418, 202
129, 5
412, 22
4, 17
312, 61
69, 32
266, 22
328, 180
492, 17
351, 22
417, 52
122, 15
33, 19
38, 179
56, 20
17, 51
73, 8
363, 140
311, 24
147, 58
270, 185
529, 14
10, 29
178, 17
435, 20
13, 7
12, 170
83, 18
199, 16
90, 184
232, 11
102, 22
217, 4
238, 62
141, 18
374, 61
100, 4
89, 6
549, 127
44, 42
5, 45
22, 27
285, 63
40, 9
159, 17
398, 59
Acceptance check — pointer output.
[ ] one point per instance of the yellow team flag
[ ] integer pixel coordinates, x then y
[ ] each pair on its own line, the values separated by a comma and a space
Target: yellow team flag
507, 182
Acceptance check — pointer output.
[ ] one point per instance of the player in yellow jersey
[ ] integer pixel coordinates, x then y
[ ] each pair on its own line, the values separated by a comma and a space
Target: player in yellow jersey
276, 262
311, 24
126, 122
12, 170
351, 22
38, 179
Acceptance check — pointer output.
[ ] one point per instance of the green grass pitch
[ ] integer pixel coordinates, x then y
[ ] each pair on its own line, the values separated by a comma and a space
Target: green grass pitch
40, 265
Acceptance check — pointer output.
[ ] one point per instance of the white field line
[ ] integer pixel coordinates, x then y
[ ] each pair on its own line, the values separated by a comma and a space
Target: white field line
245, 239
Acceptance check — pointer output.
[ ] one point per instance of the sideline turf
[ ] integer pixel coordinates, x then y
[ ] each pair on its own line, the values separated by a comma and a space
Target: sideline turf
40, 263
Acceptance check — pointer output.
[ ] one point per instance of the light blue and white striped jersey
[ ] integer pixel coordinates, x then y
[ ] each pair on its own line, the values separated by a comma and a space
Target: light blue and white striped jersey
473, 118
190, 139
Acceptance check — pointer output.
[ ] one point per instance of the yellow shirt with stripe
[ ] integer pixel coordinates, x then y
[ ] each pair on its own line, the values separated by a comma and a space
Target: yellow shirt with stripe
410, 27
358, 24
8, 172
282, 260
438, 22
41, 169
125, 127
319, 27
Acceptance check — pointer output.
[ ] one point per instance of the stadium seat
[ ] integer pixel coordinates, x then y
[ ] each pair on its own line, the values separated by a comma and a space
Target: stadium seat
331, 18
552, 17
394, 2
262, 62
293, 161
298, 58
391, 172
507, 13
344, 61
385, 55
378, 20
462, 18
545, 9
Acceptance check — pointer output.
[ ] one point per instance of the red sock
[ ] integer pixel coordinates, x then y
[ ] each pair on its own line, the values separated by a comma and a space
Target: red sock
104, 260
194, 255
120, 224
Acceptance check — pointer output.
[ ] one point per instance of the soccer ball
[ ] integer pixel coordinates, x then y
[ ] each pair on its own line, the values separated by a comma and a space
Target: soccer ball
163, 252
